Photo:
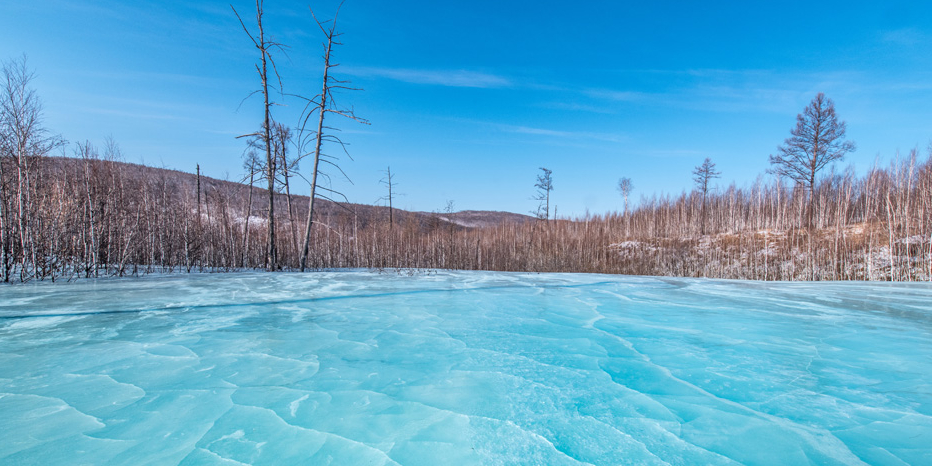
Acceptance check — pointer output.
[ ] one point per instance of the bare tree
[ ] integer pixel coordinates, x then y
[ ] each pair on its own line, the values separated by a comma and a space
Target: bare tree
266, 45
388, 182
817, 141
625, 186
281, 140
198, 168
322, 105
23, 141
544, 185
702, 175
251, 164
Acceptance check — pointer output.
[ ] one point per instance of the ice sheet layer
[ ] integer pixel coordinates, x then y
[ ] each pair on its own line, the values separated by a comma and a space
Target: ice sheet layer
464, 368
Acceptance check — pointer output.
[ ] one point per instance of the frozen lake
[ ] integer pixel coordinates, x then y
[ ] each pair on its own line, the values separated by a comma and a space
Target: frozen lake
464, 368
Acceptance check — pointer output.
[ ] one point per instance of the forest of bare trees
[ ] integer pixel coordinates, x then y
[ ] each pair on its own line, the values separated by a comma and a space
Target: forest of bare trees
90, 215
77, 210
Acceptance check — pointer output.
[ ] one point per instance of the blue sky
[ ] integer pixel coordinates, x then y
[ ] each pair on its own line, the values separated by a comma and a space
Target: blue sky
467, 99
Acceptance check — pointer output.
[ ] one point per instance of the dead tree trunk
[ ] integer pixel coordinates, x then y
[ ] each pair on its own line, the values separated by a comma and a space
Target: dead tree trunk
252, 175
322, 106
387, 181
318, 141
265, 47
4, 256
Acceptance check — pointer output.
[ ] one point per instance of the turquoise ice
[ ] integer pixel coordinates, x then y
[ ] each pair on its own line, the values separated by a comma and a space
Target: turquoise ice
464, 368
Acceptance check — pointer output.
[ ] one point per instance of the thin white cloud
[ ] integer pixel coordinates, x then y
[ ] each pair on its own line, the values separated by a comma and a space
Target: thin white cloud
677, 153
577, 107
903, 37
732, 91
136, 115
149, 76
223, 132
577, 135
450, 78
620, 96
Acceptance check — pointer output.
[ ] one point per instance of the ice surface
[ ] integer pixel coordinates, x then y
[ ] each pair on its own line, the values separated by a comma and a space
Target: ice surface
464, 368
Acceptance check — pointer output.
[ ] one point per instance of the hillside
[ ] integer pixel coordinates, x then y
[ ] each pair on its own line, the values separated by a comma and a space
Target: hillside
364, 214
482, 218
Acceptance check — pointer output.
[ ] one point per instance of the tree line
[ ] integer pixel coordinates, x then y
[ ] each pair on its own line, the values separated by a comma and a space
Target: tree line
91, 215
78, 210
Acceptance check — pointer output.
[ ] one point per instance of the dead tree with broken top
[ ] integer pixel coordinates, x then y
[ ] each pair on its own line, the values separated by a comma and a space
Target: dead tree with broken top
320, 106
388, 182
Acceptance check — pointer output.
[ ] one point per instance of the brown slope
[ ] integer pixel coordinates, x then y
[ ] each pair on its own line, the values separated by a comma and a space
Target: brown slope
326, 211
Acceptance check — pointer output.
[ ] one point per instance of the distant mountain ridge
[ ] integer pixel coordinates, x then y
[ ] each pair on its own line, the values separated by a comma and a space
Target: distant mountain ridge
365, 213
